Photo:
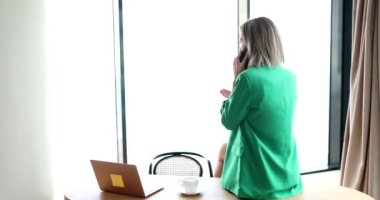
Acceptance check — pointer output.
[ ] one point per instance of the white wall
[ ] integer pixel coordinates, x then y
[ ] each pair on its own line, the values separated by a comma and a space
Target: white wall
24, 148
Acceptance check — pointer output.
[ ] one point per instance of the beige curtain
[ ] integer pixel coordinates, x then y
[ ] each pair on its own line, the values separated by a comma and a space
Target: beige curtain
361, 149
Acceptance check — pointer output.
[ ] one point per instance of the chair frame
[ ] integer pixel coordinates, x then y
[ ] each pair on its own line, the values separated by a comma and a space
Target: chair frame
190, 155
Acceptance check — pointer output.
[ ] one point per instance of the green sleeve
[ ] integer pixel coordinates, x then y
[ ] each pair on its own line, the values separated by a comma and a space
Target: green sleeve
234, 110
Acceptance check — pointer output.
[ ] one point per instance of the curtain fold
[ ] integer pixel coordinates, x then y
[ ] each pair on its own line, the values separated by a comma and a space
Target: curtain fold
360, 167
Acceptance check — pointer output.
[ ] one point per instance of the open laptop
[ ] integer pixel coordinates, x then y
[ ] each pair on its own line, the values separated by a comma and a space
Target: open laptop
124, 179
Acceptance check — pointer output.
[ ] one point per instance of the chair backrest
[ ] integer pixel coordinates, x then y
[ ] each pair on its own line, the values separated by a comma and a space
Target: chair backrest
179, 164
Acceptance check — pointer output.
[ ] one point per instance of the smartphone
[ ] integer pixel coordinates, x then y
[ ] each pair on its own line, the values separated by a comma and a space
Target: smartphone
242, 54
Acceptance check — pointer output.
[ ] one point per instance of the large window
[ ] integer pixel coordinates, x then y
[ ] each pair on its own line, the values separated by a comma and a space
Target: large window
81, 89
178, 55
305, 30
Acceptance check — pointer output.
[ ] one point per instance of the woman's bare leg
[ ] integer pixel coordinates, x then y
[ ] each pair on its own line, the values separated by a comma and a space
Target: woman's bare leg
219, 164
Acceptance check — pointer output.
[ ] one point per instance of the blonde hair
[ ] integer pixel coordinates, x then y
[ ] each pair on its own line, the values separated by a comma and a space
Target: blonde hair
263, 42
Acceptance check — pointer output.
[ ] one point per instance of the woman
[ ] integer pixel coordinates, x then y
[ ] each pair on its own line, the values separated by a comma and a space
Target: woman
261, 156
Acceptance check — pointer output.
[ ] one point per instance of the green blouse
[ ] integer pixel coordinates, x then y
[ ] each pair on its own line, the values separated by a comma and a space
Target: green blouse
261, 159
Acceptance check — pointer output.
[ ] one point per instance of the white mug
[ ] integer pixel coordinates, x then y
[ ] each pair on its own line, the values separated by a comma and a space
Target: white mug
189, 185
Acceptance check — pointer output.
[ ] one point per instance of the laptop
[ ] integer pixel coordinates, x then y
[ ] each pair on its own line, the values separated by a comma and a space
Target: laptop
124, 179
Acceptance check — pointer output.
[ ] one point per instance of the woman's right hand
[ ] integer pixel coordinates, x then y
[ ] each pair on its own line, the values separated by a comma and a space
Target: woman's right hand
239, 66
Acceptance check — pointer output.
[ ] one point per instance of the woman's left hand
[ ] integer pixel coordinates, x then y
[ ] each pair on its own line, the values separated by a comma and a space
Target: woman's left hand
226, 93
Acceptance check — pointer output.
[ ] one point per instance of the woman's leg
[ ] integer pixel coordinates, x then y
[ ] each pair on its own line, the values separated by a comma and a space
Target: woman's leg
219, 164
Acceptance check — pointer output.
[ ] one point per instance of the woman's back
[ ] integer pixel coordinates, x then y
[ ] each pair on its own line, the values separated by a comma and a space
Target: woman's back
261, 157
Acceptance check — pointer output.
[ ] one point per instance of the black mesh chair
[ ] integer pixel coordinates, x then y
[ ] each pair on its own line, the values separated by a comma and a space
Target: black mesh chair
179, 164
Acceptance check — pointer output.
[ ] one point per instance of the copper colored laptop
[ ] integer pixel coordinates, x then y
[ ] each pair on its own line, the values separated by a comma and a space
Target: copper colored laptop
124, 179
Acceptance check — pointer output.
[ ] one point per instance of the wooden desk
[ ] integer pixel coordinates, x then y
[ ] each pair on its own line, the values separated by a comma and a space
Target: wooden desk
210, 189
313, 190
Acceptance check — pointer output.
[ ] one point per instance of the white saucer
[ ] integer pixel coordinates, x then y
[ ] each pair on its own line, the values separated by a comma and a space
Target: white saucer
192, 193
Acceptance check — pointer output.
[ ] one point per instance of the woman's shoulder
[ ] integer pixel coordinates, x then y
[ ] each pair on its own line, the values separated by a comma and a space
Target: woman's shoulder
266, 70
